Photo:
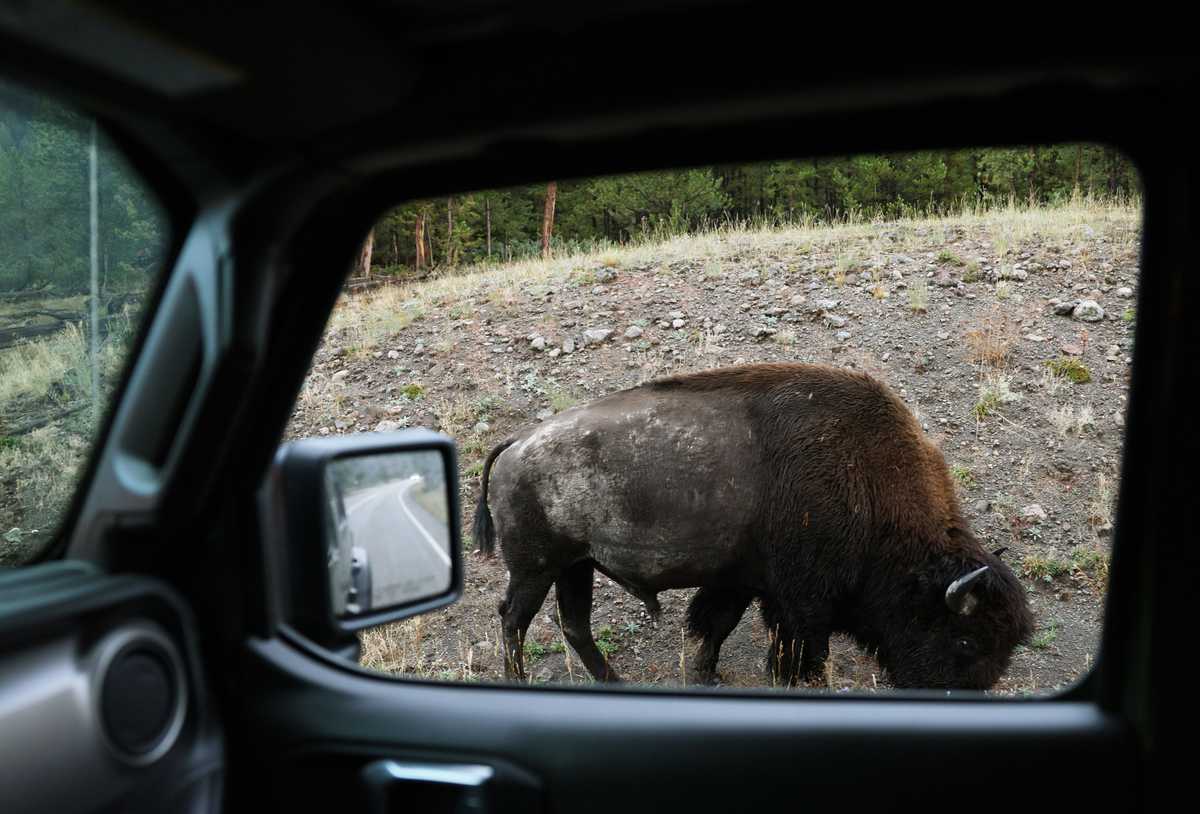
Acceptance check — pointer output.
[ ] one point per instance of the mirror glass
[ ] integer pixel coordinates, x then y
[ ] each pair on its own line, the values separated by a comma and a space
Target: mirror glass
387, 530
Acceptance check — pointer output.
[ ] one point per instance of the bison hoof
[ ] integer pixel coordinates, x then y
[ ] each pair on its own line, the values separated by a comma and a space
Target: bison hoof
705, 678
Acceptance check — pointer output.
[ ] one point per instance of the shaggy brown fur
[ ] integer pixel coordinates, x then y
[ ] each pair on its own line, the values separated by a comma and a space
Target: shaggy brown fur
810, 487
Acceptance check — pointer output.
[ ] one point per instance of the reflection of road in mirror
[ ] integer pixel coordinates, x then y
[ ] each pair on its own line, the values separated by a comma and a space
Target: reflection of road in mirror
407, 545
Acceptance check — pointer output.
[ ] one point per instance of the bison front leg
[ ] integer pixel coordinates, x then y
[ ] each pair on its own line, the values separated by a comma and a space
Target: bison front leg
712, 614
796, 651
525, 595
574, 591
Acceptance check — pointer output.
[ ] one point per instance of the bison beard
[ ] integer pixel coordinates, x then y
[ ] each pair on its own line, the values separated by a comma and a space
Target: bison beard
808, 487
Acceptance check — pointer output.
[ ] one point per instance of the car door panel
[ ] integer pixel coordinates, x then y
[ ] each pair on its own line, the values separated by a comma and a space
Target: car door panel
102, 701
655, 751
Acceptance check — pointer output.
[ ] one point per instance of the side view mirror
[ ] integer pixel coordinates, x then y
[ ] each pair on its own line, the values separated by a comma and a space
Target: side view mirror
369, 527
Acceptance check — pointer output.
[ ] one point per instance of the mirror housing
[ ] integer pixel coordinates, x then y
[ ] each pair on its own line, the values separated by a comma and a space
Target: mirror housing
305, 519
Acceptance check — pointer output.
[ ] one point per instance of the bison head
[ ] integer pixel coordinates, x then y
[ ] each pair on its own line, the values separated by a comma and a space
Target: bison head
962, 620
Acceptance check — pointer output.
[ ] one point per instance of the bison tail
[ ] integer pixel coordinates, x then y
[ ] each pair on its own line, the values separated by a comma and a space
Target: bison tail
485, 531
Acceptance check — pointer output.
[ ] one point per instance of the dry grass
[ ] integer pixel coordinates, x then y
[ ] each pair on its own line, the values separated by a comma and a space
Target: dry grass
41, 467
918, 296
990, 342
47, 368
369, 320
1100, 507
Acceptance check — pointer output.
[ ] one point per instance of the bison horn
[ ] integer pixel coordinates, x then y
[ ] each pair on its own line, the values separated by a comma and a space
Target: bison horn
956, 594
999, 551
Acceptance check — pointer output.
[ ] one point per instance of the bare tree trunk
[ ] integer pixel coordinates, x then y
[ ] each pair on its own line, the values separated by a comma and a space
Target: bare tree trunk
1078, 164
450, 231
364, 255
429, 245
548, 218
487, 208
420, 262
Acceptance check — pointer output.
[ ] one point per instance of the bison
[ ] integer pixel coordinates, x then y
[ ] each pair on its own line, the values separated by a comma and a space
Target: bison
811, 488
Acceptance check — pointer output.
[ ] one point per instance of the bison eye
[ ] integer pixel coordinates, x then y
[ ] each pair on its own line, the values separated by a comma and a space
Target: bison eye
965, 647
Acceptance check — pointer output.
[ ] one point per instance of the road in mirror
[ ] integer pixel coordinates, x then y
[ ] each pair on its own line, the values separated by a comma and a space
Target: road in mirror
386, 530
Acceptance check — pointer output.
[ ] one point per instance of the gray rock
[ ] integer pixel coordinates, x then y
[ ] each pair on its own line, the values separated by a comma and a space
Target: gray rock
982, 506
799, 299
481, 426
751, 277
678, 323
554, 353
834, 321
944, 280
1005, 273
1064, 309
388, 426
761, 332
393, 354
1033, 512
538, 344
842, 336
568, 346
605, 274
1124, 292
1088, 311
340, 376
633, 332
827, 305
419, 349
596, 336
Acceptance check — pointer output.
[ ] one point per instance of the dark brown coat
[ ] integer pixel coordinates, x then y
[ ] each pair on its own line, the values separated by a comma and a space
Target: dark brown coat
810, 487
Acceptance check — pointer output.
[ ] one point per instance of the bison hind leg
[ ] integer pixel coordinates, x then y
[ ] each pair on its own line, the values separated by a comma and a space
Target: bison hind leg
574, 593
526, 593
712, 615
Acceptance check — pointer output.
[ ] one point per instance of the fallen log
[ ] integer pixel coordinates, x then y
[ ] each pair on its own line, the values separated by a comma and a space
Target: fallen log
37, 422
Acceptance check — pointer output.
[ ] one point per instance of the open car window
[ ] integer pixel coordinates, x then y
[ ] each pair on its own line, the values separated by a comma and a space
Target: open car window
988, 296
81, 241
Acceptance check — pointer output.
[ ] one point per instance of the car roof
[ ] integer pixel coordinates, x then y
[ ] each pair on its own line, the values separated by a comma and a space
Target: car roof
257, 83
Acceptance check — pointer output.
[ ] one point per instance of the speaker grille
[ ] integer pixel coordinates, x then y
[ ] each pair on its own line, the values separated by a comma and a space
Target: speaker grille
141, 695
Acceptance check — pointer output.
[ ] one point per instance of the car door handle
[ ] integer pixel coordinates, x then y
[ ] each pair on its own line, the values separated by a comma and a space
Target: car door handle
430, 788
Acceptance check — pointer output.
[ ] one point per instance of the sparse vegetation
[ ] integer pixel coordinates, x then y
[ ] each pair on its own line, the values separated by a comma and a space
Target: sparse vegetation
1070, 368
606, 641
1044, 567
1045, 637
918, 296
972, 272
994, 391
949, 257
963, 476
